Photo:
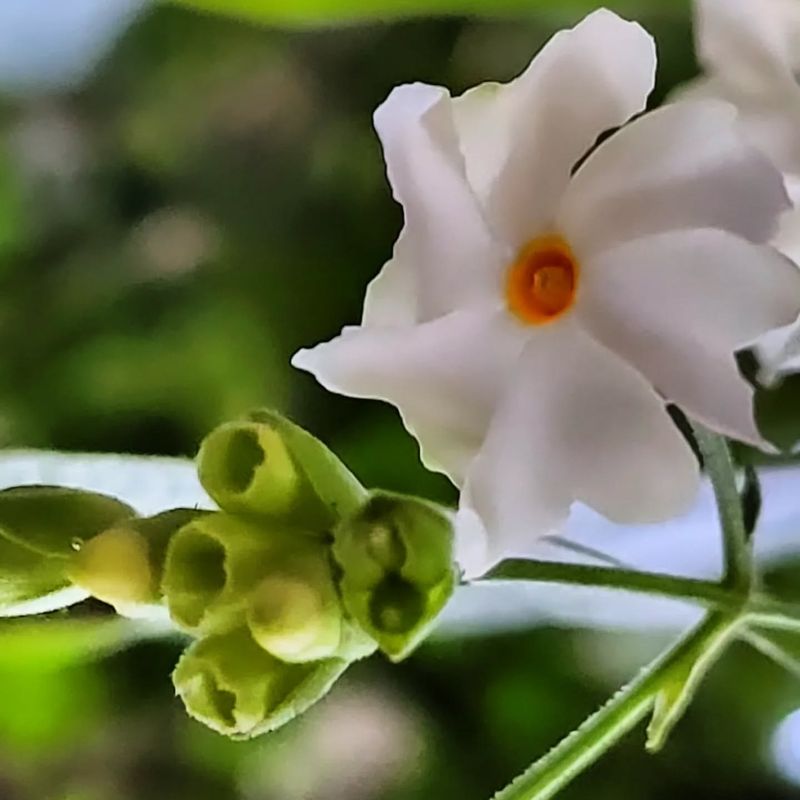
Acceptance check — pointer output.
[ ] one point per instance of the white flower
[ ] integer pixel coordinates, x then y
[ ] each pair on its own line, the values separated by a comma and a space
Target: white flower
532, 321
750, 50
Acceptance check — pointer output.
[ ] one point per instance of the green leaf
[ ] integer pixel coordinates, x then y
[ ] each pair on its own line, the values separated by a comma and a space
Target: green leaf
40, 527
305, 12
54, 521
30, 581
53, 644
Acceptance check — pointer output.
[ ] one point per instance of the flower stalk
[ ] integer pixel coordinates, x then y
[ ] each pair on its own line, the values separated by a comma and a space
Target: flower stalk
719, 465
617, 717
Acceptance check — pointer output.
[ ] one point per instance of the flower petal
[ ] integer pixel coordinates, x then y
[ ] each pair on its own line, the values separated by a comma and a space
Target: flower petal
750, 43
584, 81
391, 297
577, 423
778, 353
445, 239
444, 376
686, 165
678, 305
750, 49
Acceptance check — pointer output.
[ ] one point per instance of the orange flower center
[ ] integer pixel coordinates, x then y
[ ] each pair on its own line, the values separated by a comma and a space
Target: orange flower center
542, 283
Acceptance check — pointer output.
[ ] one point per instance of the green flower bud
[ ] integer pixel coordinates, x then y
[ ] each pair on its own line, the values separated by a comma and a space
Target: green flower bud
123, 565
295, 613
268, 466
39, 528
216, 562
398, 572
232, 685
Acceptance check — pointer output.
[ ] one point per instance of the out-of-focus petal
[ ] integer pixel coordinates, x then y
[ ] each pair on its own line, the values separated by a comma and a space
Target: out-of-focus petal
522, 140
749, 43
678, 305
686, 165
751, 53
445, 239
577, 423
444, 376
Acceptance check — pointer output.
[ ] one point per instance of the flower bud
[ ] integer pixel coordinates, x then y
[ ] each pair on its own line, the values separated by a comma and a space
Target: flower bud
235, 687
268, 466
398, 572
39, 529
123, 565
214, 564
294, 613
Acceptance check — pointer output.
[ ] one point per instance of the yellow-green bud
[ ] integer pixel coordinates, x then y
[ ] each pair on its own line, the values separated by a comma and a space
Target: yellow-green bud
232, 685
266, 465
398, 572
214, 564
115, 567
295, 613
246, 467
122, 566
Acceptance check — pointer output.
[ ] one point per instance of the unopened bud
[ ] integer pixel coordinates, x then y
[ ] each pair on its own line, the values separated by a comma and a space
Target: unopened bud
396, 556
269, 466
122, 566
295, 612
235, 687
214, 564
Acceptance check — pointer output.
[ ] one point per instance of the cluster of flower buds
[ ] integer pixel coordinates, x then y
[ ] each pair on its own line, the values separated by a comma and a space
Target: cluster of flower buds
299, 573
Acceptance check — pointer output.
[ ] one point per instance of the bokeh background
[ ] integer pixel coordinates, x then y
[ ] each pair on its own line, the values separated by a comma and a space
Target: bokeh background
186, 199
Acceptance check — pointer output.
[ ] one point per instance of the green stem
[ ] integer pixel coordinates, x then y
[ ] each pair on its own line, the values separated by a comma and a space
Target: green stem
777, 620
772, 650
692, 589
616, 718
720, 469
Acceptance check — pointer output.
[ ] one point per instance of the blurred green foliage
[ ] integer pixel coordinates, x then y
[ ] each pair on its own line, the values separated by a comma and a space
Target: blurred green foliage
171, 232
311, 12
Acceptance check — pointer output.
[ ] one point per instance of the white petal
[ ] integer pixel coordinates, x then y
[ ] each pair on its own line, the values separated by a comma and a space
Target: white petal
778, 353
577, 424
751, 50
482, 117
678, 305
686, 165
522, 140
787, 240
445, 239
444, 376
391, 297
748, 42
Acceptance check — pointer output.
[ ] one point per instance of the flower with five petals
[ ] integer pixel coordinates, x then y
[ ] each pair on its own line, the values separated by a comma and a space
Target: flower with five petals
542, 305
